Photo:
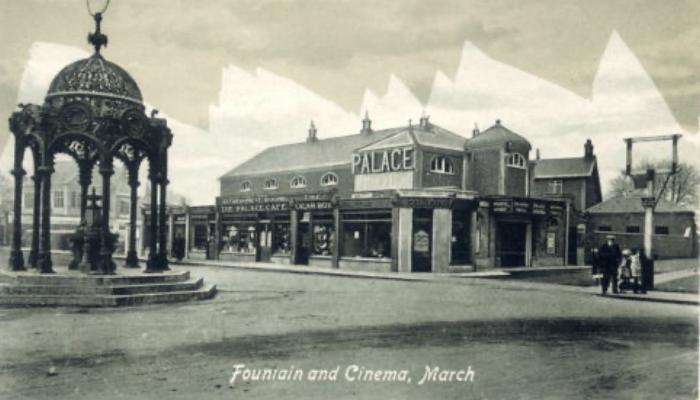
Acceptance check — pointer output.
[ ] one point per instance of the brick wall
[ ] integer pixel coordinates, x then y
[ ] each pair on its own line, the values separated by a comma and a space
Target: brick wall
673, 245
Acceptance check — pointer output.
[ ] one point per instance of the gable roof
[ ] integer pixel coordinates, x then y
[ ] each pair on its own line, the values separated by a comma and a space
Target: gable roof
338, 150
632, 203
563, 167
496, 135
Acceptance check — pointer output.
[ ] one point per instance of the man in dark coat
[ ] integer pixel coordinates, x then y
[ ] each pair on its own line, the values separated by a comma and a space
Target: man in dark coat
609, 256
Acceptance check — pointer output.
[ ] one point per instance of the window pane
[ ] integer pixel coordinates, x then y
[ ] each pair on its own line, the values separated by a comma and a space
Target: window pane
323, 236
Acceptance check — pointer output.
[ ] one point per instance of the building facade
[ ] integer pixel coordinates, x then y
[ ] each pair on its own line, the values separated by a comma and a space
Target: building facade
415, 198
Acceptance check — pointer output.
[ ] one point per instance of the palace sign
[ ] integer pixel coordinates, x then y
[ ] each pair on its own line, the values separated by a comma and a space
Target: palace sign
387, 160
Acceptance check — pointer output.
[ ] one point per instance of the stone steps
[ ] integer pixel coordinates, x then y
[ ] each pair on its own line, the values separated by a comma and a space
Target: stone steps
55, 290
98, 300
77, 279
72, 289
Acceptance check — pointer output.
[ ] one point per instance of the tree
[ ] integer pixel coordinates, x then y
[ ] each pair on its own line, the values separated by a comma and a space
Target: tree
680, 188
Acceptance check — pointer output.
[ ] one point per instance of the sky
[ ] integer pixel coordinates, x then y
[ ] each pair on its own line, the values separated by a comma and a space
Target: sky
176, 49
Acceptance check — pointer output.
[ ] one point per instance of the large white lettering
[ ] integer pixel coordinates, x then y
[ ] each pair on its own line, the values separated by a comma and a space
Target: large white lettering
381, 161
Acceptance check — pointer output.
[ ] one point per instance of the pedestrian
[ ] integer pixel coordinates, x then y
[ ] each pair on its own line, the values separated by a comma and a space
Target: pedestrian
636, 270
610, 257
596, 270
625, 270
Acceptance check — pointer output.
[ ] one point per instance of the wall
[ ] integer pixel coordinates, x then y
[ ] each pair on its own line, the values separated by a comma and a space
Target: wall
431, 179
515, 181
231, 186
484, 171
570, 186
673, 245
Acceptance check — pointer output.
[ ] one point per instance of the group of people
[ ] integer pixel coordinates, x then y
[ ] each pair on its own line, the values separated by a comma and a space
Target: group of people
621, 269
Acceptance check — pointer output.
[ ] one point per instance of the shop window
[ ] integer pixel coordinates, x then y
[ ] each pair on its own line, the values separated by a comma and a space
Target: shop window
280, 239
271, 184
239, 238
29, 200
58, 200
246, 186
441, 165
367, 235
604, 228
329, 179
632, 229
200, 237
555, 186
460, 237
516, 160
661, 230
323, 237
298, 182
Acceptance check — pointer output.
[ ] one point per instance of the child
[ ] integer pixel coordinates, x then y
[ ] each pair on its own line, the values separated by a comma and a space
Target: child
625, 270
635, 270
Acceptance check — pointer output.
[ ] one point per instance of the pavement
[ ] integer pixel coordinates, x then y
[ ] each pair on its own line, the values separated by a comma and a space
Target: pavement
650, 296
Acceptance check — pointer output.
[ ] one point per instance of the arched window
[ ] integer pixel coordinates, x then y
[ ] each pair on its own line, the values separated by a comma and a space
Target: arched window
329, 179
245, 186
441, 165
516, 160
298, 182
271, 184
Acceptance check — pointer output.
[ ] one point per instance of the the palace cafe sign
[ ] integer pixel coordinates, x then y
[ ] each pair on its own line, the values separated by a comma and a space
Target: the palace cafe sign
383, 160
315, 201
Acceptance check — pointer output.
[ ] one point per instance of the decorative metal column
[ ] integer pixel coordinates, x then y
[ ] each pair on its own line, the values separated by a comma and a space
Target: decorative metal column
132, 260
85, 179
36, 219
45, 264
152, 264
162, 238
106, 264
16, 257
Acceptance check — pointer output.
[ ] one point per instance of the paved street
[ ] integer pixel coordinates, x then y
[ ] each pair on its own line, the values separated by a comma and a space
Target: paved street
522, 340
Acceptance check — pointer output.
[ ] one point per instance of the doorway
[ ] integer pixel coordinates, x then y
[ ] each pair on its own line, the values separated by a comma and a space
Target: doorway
512, 241
265, 242
422, 240
304, 243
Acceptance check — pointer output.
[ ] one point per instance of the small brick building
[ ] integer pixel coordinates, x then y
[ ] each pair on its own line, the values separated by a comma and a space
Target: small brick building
675, 232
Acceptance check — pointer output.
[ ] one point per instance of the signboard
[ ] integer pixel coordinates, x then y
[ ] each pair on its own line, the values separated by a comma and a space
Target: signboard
315, 201
551, 243
556, 209
502, 206
421, 242
521, 206
424, 202
539, 209
381, 161
179, 219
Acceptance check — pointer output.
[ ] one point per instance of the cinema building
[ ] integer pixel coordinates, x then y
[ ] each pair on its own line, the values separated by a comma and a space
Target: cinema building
416, 198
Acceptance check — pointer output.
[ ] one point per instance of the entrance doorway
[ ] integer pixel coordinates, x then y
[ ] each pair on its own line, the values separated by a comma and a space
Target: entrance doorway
265, 244
512, 241
422, 240
304, 243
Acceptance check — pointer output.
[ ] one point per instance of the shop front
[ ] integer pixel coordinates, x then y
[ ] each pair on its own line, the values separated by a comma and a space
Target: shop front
201, 232
284, 229
407, 231
521, 232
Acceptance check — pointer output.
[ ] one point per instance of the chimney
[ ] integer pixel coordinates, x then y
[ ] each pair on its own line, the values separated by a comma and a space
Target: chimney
424, 122
588, 150
498, 122
537, 154
366, 124
475, 132
312, 134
